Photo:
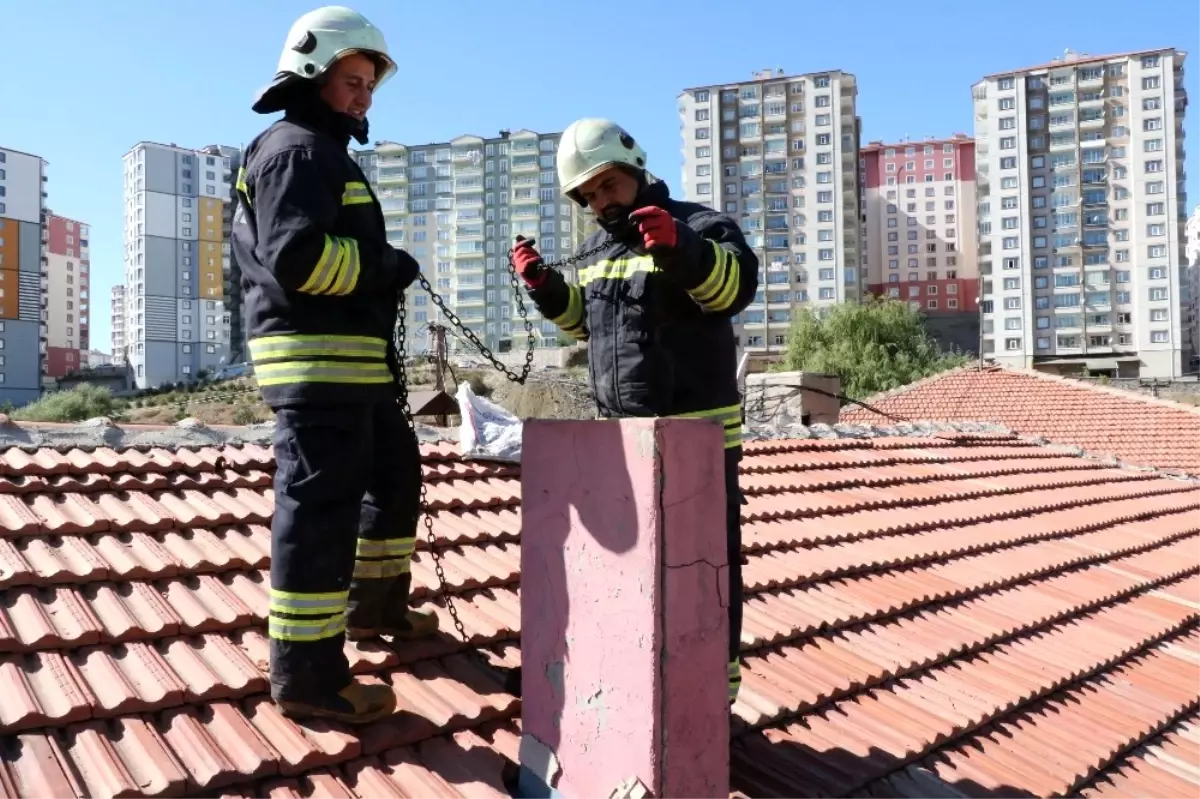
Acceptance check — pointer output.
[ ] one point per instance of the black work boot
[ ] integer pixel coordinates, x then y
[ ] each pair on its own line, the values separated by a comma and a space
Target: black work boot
357, 703
379, 607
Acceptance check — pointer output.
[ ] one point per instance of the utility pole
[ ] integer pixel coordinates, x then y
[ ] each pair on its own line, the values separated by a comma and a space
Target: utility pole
439, 363
439, 356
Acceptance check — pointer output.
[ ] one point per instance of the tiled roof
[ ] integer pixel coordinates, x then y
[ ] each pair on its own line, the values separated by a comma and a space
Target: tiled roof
1103, 421
978, 612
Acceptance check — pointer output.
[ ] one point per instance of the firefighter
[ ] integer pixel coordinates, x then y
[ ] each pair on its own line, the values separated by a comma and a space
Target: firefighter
321, 286
655, 306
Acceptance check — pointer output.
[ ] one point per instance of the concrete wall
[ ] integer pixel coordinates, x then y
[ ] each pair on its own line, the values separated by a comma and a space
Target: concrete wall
625, 649
772, 395
1164, 388
515, 358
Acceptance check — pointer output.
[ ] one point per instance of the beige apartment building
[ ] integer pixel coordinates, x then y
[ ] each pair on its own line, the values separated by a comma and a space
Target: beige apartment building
1080, 180
780, 154
457, 207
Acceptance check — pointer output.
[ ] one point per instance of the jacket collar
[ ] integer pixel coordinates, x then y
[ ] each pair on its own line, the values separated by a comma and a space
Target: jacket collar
309, 109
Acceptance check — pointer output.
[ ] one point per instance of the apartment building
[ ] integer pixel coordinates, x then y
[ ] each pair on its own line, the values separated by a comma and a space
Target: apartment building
66, 311
456, 206
919, 231
23, 277
177, 259
1192, 234
780, 154
1079, 175
117, 309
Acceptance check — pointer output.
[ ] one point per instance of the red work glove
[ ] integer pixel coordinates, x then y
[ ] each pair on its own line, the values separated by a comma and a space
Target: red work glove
657, 228
528, 262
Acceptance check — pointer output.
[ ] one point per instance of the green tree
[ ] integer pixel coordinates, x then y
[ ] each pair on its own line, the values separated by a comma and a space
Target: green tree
876, 346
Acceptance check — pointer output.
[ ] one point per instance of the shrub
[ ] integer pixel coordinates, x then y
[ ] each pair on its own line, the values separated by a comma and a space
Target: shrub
80, 403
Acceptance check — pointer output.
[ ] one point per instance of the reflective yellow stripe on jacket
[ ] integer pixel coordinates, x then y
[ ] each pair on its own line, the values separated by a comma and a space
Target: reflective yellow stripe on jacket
617, 269
720, 288
288, 359
571, 321
730, 418
337, 270
356, 193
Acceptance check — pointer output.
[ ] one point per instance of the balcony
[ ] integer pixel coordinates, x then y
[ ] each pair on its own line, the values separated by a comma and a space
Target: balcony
524, 163
397, 176
1091, 122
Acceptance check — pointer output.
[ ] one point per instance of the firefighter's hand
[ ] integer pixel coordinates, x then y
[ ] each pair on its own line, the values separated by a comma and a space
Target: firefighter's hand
528, 262
657, 228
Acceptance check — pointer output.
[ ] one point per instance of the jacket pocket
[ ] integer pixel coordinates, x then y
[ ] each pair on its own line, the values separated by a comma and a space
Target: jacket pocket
646, 373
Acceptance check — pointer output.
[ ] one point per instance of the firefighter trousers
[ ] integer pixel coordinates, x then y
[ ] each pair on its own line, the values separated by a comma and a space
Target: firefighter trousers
734, 500
347, 502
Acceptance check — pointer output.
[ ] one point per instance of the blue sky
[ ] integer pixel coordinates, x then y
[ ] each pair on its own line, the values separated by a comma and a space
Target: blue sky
84, 81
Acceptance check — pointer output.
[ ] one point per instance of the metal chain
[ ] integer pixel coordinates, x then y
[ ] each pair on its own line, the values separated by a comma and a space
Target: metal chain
515, 284
520, 378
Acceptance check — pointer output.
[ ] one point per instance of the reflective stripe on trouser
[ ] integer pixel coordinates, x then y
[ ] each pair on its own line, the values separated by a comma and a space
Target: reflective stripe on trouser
293, 616
288, 359
735, 680
338, 469
389, 557
730, 418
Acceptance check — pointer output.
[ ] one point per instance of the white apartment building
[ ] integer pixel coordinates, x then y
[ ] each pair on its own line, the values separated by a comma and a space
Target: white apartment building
177, 256
1079, 168
456, 207
780, 154
1192, 233
117, 308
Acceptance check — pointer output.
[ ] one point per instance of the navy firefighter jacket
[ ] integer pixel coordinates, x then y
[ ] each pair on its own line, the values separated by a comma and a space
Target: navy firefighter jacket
321, 283
659, 331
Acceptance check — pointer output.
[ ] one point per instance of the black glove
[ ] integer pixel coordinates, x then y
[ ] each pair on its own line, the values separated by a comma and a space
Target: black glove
405, 268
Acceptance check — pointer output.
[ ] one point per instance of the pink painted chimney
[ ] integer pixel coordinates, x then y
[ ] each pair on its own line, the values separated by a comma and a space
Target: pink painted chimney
624, 596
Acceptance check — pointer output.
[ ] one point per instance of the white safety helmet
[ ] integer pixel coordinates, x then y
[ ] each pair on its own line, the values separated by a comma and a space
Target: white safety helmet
589, 146
316, 41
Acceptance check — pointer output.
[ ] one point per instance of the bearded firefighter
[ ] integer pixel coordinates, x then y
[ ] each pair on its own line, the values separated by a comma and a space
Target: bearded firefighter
321, 287
654, 306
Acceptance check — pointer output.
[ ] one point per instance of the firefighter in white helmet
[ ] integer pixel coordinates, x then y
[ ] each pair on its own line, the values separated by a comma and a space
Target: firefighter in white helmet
322, 286
654, 305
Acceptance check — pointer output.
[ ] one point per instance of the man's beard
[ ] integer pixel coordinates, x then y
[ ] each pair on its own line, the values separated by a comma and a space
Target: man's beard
615, 221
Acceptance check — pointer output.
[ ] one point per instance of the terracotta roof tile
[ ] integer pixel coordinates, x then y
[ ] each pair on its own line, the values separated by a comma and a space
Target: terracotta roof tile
1102, 421
922, 614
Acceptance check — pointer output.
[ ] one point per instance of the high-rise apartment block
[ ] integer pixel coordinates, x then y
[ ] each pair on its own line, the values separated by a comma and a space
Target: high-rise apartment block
117, 306
456, 207
23, 275
1192, 234
919, 231
177, 260
1079, 169
780, 154
66, 309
